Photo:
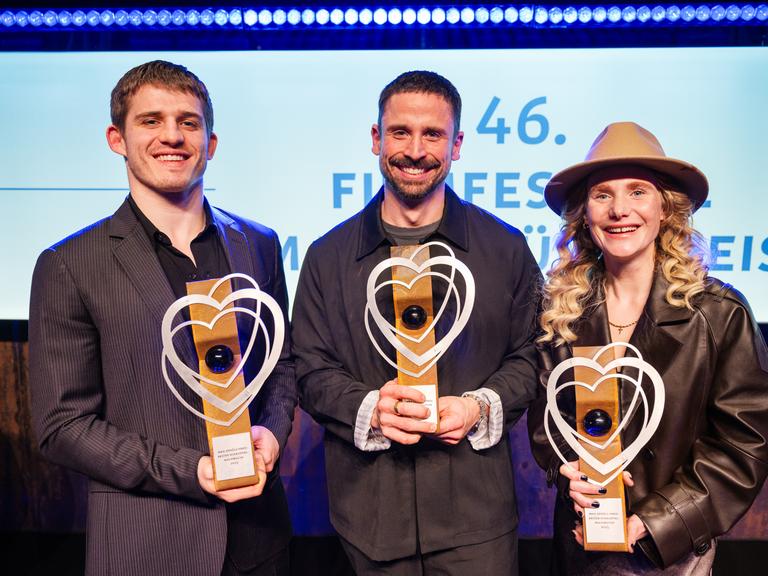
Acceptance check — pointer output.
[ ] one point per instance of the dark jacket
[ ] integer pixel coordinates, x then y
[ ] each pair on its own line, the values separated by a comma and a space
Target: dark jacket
430, 496
707, 461
100, 405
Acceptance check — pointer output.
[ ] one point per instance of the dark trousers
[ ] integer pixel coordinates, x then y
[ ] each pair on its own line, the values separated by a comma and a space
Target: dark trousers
276, 565
496, 557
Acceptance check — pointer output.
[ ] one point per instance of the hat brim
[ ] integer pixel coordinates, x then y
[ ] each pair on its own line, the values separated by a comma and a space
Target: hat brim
691, 180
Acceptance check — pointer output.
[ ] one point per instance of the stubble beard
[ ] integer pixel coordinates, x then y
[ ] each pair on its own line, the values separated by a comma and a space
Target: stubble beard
410, 194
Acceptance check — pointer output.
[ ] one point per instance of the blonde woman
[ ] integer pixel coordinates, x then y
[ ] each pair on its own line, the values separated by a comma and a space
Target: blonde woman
630, 269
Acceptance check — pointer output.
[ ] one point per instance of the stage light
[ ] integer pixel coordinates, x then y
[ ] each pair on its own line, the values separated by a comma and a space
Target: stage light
658, 13
322, 16
702, 13
64, 18
732, 13
337, 16
497, 15
107, 18
221, 18
438, 16
599, 14
717, 13
294, 16
673, 13
265, 17
235, 17
22, 18
467, 16
250, 17
134, 17
629, 14
178, 17
366, 17
164, 18
92, 18
380, 16
351, 17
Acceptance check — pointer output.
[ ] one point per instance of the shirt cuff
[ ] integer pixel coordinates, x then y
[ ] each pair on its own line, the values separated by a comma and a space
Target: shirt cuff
367, 438
488, 433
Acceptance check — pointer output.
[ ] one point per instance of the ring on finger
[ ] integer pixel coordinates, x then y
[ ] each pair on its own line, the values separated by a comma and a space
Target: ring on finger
395, 410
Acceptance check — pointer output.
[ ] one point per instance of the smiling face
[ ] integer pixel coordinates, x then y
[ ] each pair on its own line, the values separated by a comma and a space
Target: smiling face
165, 142
624, 215
415, 144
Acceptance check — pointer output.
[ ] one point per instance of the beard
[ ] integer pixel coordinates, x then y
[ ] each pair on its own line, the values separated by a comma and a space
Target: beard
411, 192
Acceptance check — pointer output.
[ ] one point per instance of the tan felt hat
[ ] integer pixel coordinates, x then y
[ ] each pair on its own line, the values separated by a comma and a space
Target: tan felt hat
630, 144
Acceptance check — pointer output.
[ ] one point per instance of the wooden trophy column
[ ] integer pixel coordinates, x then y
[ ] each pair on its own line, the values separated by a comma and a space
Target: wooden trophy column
597, 417
414, 315
218, 351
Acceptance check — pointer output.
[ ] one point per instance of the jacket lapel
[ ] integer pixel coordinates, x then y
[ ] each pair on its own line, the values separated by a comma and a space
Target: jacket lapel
135, 255
235, 244
656, 344
133, 251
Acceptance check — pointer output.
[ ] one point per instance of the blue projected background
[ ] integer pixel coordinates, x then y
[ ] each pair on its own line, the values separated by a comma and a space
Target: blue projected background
294, 140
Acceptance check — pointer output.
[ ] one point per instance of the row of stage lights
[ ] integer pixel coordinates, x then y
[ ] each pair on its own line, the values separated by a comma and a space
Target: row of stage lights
399, 17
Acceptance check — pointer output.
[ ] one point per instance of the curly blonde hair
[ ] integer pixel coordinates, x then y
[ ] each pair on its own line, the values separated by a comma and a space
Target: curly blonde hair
576, 279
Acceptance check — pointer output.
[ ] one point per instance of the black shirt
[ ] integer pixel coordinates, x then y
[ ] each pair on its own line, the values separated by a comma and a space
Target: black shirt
210, 258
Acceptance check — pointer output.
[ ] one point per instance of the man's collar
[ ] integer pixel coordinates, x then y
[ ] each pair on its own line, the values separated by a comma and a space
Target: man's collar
453, 224
153, 231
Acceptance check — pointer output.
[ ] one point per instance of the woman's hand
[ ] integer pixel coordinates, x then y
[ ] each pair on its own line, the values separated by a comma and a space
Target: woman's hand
582, 493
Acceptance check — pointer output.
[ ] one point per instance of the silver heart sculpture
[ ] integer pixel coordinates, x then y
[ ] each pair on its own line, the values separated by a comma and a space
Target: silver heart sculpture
463, 309
192, 378
617, 464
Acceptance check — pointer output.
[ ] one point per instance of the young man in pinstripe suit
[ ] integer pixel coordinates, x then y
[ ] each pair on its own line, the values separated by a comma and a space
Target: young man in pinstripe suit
100, 405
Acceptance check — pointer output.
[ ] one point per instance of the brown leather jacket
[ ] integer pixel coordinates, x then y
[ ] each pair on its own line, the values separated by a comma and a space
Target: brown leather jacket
708, 459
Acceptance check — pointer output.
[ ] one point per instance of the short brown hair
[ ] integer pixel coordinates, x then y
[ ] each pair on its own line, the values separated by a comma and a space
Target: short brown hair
163, 75
423, 82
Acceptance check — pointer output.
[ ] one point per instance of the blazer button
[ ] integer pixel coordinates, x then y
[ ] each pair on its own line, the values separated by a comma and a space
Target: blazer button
702, 548
649, 454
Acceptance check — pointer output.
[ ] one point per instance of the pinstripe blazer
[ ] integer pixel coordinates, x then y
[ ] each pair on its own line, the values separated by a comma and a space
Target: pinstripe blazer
100, 405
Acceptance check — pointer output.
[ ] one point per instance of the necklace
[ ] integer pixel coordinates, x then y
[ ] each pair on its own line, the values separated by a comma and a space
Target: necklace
620, 327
